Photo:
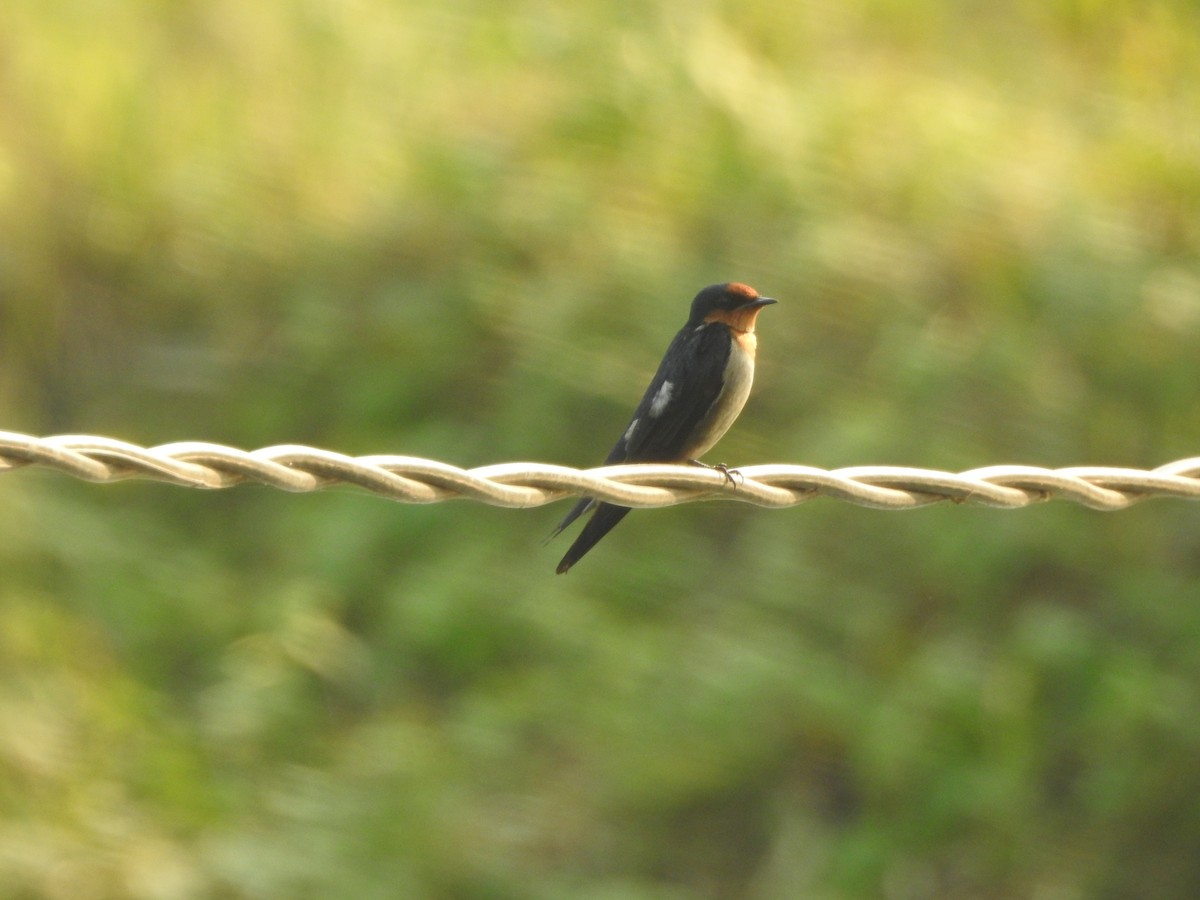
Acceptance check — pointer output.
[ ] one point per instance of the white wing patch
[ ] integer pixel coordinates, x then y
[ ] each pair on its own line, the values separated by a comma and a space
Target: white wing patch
629, 432
661, 399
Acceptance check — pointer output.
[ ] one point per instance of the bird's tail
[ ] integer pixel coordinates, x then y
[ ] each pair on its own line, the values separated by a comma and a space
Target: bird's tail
576, 511
601, 523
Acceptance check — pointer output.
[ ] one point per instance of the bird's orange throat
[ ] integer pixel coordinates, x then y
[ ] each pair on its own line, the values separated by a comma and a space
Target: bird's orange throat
740, 320
741, 323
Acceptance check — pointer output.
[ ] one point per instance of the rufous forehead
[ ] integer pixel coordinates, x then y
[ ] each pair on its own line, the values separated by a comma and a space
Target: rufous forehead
744, 290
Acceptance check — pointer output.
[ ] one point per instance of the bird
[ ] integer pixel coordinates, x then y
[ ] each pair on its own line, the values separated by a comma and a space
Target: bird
699, 389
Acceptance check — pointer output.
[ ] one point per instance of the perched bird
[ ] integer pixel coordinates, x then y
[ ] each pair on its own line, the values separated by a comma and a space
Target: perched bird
701, 385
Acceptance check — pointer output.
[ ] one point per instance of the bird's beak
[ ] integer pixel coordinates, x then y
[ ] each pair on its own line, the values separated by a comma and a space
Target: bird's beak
758, 303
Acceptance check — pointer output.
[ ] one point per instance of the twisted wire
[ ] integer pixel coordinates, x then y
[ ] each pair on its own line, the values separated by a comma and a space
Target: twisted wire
410, 479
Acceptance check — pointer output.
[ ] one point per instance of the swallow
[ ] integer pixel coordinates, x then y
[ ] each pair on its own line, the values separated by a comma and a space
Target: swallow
700, 387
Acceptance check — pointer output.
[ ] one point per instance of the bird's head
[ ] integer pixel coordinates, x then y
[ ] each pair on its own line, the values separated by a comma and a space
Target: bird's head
733, 303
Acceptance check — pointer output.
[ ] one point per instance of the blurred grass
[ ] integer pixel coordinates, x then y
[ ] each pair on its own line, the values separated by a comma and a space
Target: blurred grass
467, 232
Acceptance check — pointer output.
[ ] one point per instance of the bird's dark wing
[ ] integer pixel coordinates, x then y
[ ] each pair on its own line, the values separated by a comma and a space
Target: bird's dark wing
683, 389
662, 426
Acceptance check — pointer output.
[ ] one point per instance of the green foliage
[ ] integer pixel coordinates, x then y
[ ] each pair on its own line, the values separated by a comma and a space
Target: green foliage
467, 231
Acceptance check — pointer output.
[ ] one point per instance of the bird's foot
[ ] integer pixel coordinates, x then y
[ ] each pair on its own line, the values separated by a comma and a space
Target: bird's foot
731, 475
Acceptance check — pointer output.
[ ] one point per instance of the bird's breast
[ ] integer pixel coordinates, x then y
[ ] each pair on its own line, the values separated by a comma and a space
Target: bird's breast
736, 383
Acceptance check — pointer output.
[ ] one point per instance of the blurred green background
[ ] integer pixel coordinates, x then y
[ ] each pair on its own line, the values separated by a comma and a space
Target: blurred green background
467, 231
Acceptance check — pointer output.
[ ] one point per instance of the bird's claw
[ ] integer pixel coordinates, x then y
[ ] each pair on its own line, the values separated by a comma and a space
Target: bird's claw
731, 475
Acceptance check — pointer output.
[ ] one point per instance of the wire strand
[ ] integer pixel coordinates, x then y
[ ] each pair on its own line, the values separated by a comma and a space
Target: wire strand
409, 479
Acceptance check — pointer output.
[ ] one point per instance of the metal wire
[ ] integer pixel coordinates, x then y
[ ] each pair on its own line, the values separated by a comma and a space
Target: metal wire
413, 480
